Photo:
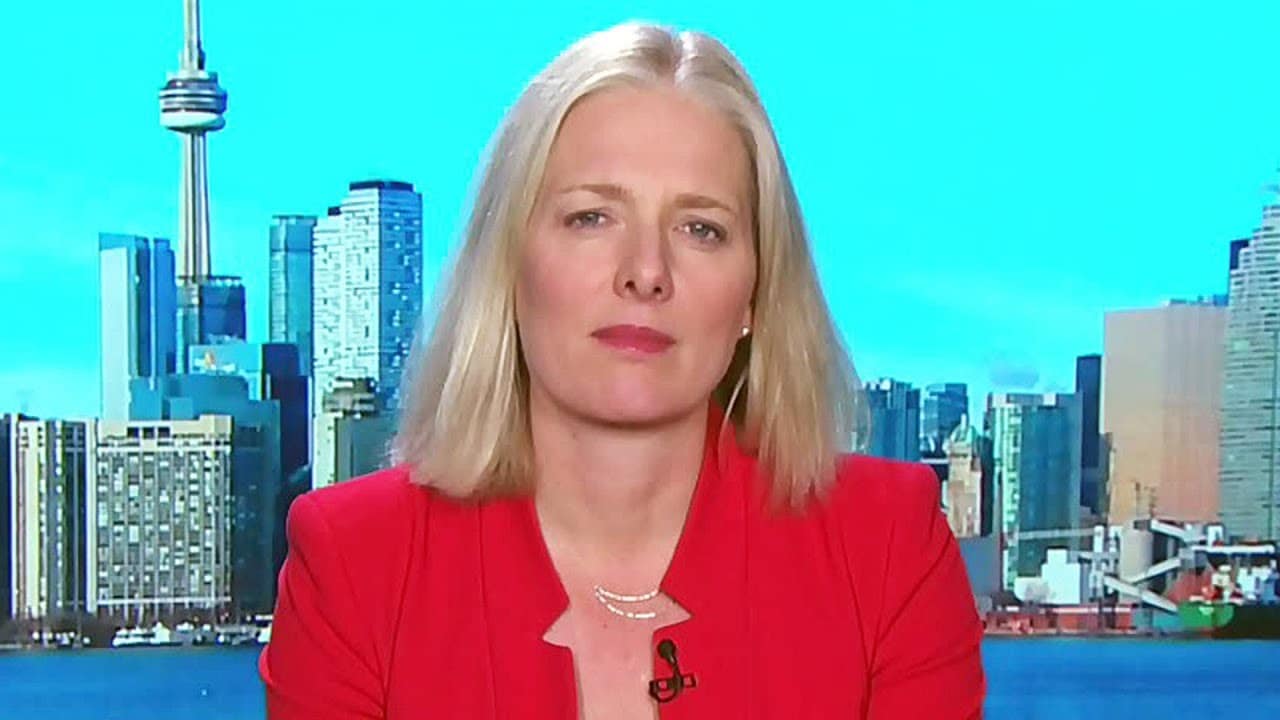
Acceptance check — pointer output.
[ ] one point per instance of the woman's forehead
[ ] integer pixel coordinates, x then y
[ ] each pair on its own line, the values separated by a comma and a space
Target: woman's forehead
629, 137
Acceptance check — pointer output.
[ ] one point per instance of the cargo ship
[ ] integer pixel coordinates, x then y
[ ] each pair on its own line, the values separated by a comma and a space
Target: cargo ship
1231, 621
1237, 603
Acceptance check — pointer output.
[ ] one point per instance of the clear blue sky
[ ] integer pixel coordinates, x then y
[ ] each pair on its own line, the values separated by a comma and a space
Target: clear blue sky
982, 180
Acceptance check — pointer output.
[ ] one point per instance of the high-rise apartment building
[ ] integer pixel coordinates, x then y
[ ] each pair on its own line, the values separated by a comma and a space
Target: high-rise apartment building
367, 288
160, 520
1036, 460
138, 311
1162, 390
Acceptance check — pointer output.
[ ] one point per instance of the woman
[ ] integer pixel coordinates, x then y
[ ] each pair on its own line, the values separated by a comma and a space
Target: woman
619, 491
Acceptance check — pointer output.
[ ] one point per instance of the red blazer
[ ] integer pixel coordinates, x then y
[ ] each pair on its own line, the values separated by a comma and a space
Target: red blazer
396, 602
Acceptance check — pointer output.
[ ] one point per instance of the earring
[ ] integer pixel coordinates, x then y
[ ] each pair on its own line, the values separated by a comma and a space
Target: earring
746, 330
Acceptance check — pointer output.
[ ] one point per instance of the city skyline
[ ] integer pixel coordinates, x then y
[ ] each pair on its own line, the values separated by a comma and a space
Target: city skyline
174, 501
969, 220
233, 382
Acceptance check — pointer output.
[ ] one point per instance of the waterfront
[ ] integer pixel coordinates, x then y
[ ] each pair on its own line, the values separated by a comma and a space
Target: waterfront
1029, 679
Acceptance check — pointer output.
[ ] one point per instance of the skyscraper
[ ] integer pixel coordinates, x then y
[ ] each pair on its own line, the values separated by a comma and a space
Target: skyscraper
160, 518
8, 486
1089, 390
51, 477
1251, 386
222, 311
216, 315
352, 437
1036, 458
944, 404
271, 371
138, 310
290, 300
969, 496
1160, 407
192, 104
256, 477
895, 419
367, 287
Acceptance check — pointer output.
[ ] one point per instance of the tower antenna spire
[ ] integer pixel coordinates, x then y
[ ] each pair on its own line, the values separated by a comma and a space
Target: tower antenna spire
192, 104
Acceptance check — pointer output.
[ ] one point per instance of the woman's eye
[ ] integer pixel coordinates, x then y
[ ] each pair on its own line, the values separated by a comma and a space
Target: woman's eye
585, 219
705, 231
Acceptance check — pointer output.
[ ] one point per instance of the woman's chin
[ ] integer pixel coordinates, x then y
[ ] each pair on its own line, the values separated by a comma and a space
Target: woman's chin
641, 411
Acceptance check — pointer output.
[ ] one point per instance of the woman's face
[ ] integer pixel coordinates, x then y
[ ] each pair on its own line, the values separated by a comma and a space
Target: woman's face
638, 264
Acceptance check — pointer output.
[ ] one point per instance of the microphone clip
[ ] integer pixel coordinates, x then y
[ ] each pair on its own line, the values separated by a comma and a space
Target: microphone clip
669, 688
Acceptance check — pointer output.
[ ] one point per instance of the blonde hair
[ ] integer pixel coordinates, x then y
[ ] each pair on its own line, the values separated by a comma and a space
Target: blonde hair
790, 391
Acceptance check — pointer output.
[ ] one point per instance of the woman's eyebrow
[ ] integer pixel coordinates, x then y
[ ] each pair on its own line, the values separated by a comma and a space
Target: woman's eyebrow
695, 200
614, 191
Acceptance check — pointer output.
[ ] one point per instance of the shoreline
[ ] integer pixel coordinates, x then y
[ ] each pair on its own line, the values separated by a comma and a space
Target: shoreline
55, 650
1000, 636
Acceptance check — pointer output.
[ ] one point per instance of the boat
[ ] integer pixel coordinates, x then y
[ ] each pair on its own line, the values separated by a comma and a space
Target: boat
129, 637
1239, 603
1231, 621
157, 635
237, 634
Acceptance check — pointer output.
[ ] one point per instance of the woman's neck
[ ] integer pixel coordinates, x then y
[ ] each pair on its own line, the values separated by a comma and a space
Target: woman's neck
615, 495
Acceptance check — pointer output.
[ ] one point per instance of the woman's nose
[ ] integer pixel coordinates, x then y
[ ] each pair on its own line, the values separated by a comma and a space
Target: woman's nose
644, 269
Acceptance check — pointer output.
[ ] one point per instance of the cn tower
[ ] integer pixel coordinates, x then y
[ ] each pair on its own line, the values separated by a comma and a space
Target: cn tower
192, 104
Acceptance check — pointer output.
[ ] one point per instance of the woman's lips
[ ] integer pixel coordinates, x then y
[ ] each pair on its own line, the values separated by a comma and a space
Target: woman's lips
634, 337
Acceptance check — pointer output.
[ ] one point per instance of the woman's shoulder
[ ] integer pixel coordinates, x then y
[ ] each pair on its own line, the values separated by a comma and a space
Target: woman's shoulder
911, 588
341, 592
872, 486
379, 507
379, 491
885, 509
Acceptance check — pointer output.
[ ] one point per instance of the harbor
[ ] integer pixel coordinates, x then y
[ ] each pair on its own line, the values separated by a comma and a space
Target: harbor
1152, 578
184, 634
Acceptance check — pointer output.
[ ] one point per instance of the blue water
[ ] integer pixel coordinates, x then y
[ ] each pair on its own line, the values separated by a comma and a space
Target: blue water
1049, 679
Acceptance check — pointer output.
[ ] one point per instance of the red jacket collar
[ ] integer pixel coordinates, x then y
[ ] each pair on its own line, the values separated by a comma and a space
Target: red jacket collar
709, 558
